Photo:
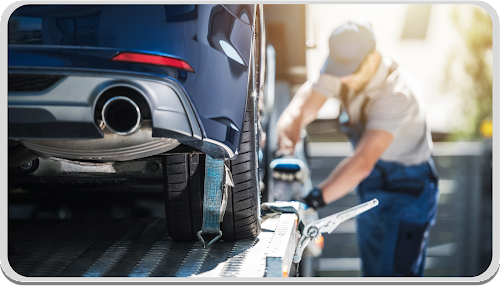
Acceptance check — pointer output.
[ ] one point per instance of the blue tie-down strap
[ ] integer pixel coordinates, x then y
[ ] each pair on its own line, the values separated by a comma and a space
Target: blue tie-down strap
212, 200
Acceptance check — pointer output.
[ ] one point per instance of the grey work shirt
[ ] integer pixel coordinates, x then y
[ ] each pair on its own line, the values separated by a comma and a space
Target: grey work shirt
394, 105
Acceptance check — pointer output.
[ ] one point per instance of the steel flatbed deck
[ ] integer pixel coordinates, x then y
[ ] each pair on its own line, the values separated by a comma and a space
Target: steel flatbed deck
143, 248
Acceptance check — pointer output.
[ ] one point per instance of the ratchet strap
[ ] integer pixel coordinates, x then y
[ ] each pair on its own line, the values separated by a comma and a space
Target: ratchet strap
218, 179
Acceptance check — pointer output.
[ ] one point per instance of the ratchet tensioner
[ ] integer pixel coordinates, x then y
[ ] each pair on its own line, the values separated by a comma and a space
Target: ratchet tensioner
312, 230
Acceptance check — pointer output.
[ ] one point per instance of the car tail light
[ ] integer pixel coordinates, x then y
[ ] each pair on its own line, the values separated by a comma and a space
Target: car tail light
153, 60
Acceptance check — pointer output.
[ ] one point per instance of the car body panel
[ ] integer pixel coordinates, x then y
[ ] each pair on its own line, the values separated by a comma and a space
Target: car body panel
51, 108
73, 39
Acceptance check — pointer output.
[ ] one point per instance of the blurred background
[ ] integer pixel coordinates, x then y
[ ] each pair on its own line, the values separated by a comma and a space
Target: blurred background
448, 49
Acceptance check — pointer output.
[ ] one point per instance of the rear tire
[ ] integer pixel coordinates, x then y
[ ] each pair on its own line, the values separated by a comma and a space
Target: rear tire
184, 191
183, 184
242, 217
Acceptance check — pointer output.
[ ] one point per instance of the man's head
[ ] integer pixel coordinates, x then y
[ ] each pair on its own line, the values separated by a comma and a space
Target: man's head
353, 57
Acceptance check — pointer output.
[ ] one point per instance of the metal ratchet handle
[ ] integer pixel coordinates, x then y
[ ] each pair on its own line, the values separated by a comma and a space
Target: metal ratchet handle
354, 211
328, 224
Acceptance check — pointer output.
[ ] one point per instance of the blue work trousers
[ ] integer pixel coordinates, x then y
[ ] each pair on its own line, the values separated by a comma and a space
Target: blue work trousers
393, 236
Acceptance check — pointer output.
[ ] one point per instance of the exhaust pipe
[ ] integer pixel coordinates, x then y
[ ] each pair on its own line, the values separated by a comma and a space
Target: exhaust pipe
121, 115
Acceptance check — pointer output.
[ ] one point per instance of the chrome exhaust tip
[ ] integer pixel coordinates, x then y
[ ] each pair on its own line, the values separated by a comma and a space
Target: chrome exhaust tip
121, 115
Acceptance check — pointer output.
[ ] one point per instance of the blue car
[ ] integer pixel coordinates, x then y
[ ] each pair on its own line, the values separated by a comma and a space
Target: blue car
112, 94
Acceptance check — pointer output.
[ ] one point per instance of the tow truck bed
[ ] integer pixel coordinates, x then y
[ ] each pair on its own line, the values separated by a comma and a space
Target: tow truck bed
142, 248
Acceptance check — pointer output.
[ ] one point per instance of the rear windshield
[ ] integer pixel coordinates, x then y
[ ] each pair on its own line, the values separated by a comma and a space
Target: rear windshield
89, 25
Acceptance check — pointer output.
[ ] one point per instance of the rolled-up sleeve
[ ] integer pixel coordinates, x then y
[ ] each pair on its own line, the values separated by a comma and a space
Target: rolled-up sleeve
327, 85
389, 112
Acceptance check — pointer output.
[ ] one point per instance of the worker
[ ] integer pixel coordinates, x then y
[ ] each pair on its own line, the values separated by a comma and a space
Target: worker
383, 117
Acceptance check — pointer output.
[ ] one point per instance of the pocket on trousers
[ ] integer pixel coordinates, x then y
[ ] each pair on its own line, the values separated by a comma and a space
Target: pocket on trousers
409, 246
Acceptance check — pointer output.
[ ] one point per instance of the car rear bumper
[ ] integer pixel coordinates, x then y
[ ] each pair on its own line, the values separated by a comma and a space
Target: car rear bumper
65, 108
71, 101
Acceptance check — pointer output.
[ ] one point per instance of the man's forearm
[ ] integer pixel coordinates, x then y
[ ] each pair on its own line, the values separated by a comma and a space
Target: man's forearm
306, 104
348, 174
294, 112
352, 170
300, 112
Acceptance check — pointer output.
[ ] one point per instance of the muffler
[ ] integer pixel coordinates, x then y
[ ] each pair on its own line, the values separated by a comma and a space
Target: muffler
121, 115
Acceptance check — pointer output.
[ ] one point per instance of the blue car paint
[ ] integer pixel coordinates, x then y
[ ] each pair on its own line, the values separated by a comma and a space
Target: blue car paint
218, 87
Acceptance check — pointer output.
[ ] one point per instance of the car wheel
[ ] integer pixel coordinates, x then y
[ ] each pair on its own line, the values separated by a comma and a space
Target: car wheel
184, 176
242, 217
184, 180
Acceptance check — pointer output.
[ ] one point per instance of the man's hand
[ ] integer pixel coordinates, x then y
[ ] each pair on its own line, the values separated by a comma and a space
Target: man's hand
300, 112
288, 134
